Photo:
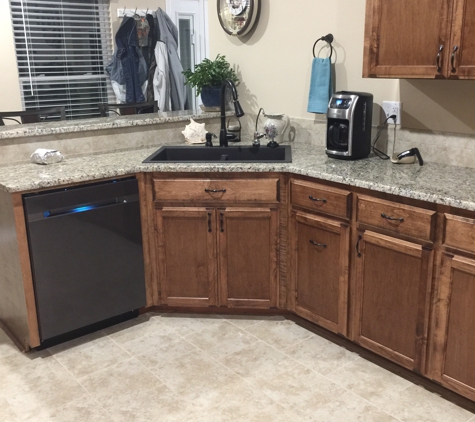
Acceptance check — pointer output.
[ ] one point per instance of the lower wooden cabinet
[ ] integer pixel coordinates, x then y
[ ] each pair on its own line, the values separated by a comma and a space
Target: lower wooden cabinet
453, 363
187, 266
319, 268
217, 256
392, 298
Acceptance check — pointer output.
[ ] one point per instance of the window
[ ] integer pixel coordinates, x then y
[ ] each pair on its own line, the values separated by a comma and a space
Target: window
62, 48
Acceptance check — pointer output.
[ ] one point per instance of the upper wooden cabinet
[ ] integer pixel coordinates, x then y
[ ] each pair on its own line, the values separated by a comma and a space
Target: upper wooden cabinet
423, 39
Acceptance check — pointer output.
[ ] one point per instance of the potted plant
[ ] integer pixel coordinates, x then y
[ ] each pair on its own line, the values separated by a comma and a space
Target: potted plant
208, 77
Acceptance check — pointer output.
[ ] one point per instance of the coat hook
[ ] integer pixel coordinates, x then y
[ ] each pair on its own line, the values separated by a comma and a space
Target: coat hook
146, 12
135, 13
124, 12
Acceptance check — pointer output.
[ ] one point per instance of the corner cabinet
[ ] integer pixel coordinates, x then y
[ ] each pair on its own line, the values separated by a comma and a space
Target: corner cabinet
394, 260
423, 39
216, 240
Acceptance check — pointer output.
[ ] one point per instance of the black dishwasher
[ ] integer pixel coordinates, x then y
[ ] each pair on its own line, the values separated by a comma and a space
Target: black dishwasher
86, 254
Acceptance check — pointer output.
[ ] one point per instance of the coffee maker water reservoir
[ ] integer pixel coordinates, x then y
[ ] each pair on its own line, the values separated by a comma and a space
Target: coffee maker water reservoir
349, 125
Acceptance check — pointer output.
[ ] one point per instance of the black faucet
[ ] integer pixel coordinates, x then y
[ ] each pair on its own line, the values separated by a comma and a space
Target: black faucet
223, 135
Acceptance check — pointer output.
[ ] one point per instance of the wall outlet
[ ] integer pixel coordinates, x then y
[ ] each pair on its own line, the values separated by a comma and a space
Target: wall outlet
390, 108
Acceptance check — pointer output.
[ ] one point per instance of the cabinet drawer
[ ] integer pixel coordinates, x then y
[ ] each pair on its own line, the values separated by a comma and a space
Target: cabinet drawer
236, 190
459, 232
403, 219
316, 197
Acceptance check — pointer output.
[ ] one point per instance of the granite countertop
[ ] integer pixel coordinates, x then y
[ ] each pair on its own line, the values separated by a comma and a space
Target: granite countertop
82, 125
436, 183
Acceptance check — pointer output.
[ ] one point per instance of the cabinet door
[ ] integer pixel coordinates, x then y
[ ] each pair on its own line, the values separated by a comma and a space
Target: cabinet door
248, 257
462, 47
403, 38
320, 257
187, 256
392, 298
453, 364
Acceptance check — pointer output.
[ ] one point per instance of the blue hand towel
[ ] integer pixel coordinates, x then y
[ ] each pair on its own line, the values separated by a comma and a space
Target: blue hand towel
320, 86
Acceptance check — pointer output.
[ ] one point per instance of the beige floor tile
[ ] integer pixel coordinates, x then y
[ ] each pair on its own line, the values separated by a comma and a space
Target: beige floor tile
320, 355
301, 390
184, 324
275, 413
44, 393
82, 409
417, 404
144, 325
6, 345
279, 334
196, 377
19, 371
349, 408
246, 321
156, 353
7, 414
91, 357
219, 340
158, 404
116, 382
258, 360
149, 340
239, 400
369, 381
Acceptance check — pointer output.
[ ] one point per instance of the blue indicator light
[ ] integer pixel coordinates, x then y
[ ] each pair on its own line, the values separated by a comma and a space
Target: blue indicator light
81, 209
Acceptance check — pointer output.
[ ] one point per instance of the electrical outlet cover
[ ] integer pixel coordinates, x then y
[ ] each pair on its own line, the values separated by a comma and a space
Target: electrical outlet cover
390, 108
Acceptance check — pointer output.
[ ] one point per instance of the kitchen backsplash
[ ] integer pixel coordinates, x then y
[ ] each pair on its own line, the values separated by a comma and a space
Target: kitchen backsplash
445, 148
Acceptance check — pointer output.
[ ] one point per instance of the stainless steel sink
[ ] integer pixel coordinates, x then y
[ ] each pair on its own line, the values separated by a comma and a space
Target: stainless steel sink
233, 154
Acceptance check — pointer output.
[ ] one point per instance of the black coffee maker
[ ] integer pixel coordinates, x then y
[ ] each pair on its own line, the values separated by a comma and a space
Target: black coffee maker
349, 125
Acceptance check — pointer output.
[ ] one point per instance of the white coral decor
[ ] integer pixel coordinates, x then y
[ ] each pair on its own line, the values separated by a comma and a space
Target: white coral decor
195, 133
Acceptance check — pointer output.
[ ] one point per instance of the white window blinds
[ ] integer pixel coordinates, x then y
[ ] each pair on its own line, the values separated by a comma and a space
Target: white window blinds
62, 48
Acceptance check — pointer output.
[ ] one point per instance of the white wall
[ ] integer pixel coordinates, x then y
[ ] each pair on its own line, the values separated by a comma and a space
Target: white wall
274, 63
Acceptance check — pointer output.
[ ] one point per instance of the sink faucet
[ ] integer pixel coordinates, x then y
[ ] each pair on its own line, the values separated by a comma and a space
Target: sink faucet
223, 135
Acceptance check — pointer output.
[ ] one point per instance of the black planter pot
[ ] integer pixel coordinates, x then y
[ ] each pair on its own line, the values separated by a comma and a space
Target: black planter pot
211, 95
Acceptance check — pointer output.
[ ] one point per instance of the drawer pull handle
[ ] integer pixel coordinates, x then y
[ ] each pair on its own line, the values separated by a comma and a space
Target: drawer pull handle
323, 245
317, 199
439, 69
214, 190
388, 217
358, 246
209, 222
222, 221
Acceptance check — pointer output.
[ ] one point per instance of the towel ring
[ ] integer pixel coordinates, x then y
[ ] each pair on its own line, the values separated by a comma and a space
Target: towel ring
329, 39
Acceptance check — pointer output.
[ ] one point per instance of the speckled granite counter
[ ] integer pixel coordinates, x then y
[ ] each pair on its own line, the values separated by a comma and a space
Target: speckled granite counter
115, 122
437, 183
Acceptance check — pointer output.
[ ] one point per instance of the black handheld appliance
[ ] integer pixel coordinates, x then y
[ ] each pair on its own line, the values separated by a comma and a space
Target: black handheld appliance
349, 125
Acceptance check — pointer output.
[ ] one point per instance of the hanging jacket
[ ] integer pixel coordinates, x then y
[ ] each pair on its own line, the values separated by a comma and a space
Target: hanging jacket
128, 69
175, 79
161, 88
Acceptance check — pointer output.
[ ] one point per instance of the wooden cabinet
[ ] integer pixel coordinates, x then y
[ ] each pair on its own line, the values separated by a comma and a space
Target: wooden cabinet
423, 39
248, 257
452, 362
393, 281
320, 261
320, 253
222, 251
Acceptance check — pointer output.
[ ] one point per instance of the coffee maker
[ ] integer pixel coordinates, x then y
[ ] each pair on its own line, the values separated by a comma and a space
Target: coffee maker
349, 125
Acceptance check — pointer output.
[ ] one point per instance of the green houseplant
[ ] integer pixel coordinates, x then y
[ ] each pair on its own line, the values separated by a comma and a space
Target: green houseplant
208, 78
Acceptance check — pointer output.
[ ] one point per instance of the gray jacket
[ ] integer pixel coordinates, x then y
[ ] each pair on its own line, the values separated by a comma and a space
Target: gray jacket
169, 35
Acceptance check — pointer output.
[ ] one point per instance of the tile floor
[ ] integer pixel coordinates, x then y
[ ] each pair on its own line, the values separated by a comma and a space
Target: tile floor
199, 368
